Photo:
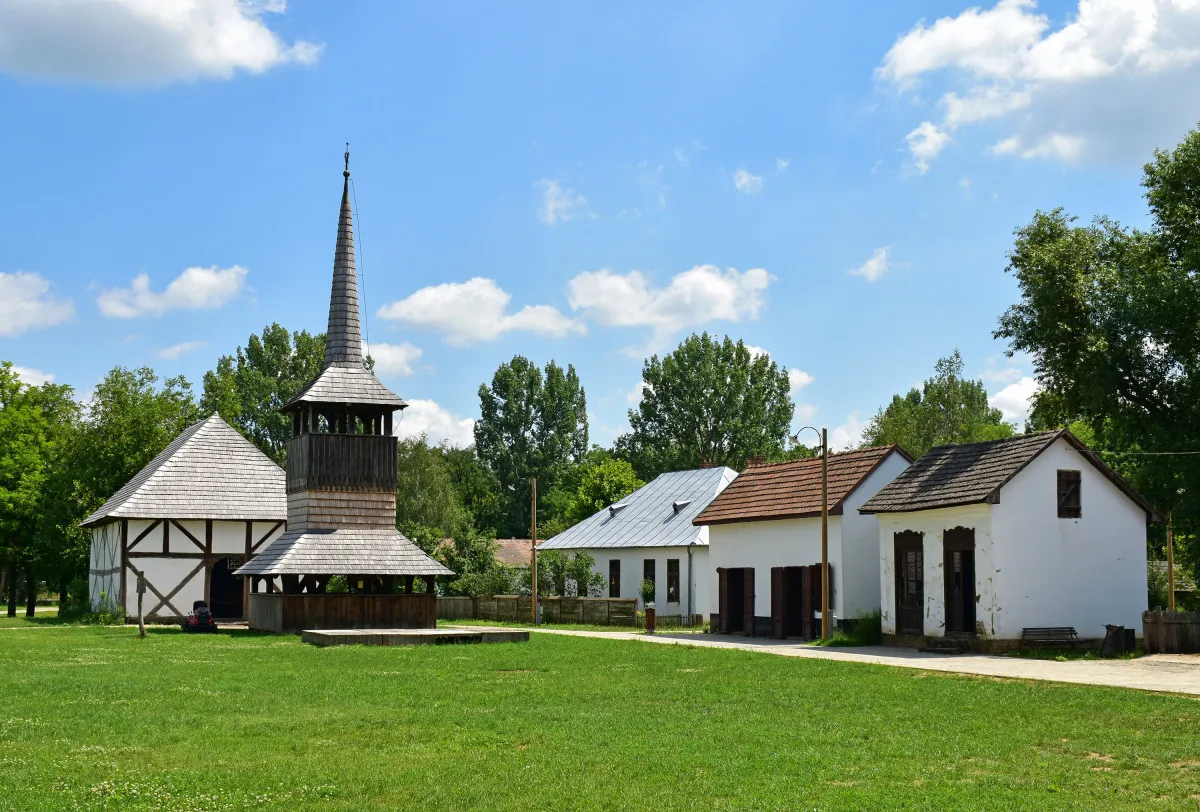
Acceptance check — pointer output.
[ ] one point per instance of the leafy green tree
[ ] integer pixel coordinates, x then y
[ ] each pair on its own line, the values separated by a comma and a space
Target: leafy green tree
707, 401
947, 409
23, 438
602, 484
1108, 315
531, 424
62, 545
477, 487
582, 580
427, 503
249, 387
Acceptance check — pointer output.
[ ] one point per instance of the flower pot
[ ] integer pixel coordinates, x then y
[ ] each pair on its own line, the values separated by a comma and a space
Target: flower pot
650, 619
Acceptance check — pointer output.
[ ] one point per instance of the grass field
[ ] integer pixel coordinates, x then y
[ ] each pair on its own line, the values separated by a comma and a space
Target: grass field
97, 718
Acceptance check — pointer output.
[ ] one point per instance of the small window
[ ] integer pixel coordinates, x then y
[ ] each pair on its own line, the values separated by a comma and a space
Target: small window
648, 571
614, 578
1069, 505
672, 580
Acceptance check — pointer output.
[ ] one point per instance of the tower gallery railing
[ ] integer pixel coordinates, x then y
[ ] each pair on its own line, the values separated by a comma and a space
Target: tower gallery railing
341, 462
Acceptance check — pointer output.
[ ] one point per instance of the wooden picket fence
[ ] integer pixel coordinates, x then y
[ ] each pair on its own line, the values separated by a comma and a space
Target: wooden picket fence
514, 608
1171, 632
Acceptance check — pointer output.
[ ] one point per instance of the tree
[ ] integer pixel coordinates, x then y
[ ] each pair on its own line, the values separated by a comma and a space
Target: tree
707, 401
602, 484
23, 439
1108, 315
947, 409
477, 487
428, 508
249, 387
530, 425
62, 545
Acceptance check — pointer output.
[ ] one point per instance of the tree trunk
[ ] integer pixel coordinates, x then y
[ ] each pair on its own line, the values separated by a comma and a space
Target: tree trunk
12, 589
30, 594
62, 592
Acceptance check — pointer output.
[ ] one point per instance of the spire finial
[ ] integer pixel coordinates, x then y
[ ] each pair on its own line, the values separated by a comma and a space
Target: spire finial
346, 171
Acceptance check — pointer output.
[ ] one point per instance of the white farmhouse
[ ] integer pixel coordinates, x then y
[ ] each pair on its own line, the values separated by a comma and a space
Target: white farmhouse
980, 541
199, 510
649, 535
765, 543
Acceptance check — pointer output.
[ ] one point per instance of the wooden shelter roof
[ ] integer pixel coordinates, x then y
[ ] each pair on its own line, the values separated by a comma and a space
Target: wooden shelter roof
345, 551
208, 472
344, 379
974, 473
792, 489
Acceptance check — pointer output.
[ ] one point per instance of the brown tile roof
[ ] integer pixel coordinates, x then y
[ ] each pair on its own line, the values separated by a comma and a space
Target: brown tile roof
973, 473
792, 490
513, 552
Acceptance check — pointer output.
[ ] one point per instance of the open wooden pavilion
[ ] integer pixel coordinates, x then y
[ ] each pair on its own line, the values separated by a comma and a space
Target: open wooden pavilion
341, 492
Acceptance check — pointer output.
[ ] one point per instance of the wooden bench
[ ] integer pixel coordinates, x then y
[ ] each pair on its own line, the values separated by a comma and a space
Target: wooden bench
1049, 636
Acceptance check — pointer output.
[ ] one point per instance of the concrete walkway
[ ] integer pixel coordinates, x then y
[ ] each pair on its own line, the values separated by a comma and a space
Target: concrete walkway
1176, 673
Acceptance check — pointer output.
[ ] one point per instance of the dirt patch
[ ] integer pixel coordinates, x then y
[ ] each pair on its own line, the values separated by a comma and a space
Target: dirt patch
1099, 757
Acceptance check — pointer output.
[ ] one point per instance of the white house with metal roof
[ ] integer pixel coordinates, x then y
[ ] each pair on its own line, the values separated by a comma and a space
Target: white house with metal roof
199, 510
649, 535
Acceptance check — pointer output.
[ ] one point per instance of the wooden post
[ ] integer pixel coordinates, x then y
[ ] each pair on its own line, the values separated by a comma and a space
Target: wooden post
533, 603
141, 591
1170, 563
824, 534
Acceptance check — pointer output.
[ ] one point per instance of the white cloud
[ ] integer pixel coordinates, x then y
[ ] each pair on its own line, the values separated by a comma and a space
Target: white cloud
875, 267
797, 380
25, 306
143, 42
849, 434
560, 204
1003, 375
394, 360
475, 310
1110, 82
747, 183
804, 412
194, 289
33, 377
436, 423
781, 164
756, 351
634, 396
174, 352
695, 297
924, 144
1014, 400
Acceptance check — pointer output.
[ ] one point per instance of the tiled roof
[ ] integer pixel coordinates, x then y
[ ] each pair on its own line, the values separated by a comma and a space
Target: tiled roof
659, 514
208, 472
973, 473
514, 552
344, 551
792, 489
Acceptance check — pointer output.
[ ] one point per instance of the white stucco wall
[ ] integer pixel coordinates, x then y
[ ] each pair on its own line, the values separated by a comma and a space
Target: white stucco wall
1031, 567
933, 524
860, 541
782, 543
229, 538
1082, 572
632, 559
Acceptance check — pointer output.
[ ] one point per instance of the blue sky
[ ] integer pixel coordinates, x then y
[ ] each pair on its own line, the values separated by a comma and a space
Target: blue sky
836, 184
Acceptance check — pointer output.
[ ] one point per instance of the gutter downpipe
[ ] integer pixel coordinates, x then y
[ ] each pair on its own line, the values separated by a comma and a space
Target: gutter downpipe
691, 582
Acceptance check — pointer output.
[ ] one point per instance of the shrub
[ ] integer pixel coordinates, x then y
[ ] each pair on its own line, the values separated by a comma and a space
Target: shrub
647, 592
337, 585
866, 629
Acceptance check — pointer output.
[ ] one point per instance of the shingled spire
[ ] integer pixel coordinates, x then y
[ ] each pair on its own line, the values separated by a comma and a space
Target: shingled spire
343, 339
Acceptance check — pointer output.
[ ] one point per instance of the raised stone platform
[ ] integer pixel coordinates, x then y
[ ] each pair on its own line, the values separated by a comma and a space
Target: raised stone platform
412, 637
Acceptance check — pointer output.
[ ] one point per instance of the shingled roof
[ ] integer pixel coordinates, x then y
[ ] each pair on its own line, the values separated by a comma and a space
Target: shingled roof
345, 551
658, 514
792, 489
344, 379
974, 473
208, 472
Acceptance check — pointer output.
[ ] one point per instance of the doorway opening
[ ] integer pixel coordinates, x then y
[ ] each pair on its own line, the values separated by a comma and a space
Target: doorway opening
910, 582
225, 590
735, 588
796, 601
958, 562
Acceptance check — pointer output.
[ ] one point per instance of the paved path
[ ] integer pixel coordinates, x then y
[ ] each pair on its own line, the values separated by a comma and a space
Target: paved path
1176, 673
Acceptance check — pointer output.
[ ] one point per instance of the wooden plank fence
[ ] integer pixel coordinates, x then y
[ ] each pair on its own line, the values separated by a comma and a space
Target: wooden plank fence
1171, 632
513, 608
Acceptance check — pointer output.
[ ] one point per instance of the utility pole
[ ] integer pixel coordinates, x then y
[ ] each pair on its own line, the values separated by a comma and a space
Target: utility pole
825, 534
1170, 563
533, 555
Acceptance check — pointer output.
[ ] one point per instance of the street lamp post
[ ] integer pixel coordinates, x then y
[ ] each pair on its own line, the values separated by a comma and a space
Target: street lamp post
824, 526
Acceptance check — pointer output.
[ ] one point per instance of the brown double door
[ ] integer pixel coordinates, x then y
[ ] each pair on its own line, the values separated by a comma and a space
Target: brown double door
959, 566
735, 600
796, 601
910, 582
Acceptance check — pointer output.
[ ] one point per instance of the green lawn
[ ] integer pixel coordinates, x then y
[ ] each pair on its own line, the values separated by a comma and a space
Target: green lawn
95, 718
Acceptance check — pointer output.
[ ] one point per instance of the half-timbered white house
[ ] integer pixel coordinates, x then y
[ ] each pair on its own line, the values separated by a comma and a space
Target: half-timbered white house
202, 508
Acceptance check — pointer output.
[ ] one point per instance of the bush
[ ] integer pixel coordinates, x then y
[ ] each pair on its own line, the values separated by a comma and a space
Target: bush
337, 585
866, 629
647, 592
78, 610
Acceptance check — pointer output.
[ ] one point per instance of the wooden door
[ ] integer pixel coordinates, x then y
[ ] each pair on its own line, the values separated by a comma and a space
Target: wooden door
748, 595
722, 600
910, 583
958, 564
779, 603
806, 602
